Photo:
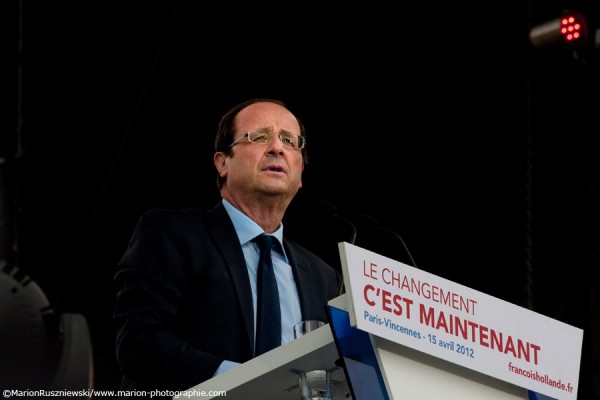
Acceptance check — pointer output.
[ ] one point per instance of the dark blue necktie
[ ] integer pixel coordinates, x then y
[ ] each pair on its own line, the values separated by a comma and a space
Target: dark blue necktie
268, 315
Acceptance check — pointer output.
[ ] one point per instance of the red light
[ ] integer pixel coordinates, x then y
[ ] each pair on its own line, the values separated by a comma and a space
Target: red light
572, 28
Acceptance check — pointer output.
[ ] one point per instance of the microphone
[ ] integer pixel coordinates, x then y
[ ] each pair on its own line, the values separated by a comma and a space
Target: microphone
384, 241
324, 208
332, 229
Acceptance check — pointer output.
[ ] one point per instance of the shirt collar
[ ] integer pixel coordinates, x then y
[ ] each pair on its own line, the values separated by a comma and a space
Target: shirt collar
247, 229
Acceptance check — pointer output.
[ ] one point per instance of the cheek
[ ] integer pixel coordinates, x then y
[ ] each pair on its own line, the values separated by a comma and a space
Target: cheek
240, 166
298, 169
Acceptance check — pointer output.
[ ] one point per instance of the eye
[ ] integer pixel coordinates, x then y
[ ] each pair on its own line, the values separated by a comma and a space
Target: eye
288, 141
261, 137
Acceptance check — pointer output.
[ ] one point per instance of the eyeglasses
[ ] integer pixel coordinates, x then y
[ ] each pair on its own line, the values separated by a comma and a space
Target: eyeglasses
287, 140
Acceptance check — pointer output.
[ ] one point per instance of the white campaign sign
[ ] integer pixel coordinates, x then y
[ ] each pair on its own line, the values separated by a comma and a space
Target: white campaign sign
434, 315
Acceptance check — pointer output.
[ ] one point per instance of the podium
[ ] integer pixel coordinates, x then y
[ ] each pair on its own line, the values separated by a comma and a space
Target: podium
411, 373
272, 376
405, 373
401, 333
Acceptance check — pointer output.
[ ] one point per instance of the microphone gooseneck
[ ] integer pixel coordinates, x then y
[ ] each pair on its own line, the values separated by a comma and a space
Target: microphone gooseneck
325, 208
368, 227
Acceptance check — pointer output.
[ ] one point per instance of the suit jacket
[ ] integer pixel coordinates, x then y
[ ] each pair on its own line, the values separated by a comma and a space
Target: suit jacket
184, 303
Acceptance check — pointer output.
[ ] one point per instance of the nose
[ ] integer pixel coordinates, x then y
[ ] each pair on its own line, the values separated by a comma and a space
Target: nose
275, 146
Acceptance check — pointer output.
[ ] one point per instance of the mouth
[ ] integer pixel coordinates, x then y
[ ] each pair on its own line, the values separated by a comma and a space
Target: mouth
275, 168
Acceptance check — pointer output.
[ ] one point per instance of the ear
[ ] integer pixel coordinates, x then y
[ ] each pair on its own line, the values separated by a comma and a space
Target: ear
219, 160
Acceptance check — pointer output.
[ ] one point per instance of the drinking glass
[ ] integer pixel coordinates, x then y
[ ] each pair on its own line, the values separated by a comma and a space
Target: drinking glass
303, 327
315, 384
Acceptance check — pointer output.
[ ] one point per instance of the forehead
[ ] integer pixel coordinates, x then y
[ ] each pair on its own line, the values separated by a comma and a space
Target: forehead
267, 115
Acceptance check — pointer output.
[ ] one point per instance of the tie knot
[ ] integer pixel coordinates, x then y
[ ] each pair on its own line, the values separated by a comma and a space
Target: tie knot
265, 242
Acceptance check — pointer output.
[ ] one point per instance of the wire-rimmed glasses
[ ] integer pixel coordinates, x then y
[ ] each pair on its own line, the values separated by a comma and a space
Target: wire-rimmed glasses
287, 139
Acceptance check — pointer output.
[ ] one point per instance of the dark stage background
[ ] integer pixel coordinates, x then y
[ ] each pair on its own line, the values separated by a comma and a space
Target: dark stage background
441, 122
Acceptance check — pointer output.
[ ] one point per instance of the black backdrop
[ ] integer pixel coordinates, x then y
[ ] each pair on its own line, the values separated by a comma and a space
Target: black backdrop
444, 125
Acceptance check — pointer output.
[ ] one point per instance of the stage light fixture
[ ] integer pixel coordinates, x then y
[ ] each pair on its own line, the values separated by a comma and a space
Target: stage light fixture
570, 28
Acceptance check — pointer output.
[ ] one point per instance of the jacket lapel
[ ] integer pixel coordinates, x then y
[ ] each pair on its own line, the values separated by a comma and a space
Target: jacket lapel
221, 228
302, 278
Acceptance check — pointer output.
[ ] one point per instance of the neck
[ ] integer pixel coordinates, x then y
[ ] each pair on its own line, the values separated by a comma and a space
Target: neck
266, 212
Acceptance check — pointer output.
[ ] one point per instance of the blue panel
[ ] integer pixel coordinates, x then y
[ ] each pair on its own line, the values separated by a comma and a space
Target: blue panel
363, 374
537, 396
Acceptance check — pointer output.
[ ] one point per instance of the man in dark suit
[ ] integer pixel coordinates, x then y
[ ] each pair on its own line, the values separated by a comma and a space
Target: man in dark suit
185, 307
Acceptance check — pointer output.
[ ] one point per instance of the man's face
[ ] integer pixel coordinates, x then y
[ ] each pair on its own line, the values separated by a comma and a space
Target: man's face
263, 169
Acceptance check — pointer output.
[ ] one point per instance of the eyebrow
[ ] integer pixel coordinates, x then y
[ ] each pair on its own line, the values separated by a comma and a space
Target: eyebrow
270, 129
